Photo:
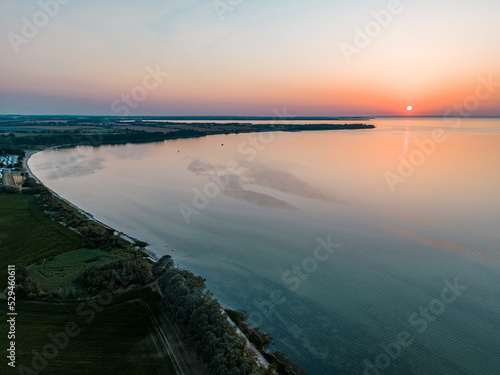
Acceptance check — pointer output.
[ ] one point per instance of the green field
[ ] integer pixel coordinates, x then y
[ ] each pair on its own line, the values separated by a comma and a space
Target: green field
27, 236
126, 335
61, 271
115, 338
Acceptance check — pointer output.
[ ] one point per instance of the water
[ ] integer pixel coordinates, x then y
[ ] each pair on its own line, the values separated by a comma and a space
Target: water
338, 243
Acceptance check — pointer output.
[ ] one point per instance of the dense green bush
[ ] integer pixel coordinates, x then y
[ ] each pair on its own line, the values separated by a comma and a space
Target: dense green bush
8, 189
114, 276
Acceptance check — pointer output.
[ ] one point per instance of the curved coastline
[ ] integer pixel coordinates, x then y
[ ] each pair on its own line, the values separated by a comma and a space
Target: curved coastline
151, 255
274, 127
261, 356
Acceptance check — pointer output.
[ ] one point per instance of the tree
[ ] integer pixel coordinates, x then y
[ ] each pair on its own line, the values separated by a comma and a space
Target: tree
163, 264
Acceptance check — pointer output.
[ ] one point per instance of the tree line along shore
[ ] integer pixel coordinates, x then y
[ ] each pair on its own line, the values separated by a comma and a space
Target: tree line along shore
18, 133
101, 263
65, 257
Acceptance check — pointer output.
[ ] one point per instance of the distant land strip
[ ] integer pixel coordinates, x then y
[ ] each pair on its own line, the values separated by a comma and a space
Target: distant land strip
185, 118
39, 132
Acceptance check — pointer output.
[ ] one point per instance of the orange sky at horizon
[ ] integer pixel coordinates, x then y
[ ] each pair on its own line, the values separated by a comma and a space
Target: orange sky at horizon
257, 58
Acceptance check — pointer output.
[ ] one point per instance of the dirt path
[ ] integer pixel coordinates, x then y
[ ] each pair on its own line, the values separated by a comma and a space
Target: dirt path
166, 343
190, 365
8, 180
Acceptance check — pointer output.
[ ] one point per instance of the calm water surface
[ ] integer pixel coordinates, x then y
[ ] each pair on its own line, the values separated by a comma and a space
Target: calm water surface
337, 243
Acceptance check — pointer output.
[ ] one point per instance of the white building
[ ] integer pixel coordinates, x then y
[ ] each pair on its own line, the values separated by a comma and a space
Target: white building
9, 160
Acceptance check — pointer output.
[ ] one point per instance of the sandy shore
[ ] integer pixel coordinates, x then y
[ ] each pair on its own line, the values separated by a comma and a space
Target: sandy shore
151, 255
26, 168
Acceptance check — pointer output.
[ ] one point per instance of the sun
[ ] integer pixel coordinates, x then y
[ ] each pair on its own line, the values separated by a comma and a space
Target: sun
409, 108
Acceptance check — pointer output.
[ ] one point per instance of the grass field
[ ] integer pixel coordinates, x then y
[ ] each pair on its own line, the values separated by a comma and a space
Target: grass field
125, 334
61, 271
118, 337
28, 236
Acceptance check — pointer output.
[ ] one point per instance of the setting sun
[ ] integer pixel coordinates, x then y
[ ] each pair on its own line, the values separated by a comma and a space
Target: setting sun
250, 169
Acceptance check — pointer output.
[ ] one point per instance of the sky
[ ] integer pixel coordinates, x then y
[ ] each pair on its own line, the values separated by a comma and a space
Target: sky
242, 57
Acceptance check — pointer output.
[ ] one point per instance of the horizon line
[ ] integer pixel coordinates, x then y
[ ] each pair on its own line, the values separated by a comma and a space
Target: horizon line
257, 117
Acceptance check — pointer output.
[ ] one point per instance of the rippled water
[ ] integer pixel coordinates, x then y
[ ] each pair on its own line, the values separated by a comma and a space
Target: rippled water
342, 244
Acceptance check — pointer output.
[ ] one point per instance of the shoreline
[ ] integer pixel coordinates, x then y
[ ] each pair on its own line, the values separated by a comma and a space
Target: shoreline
264, 356
151, 255
261, 356
291, 128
